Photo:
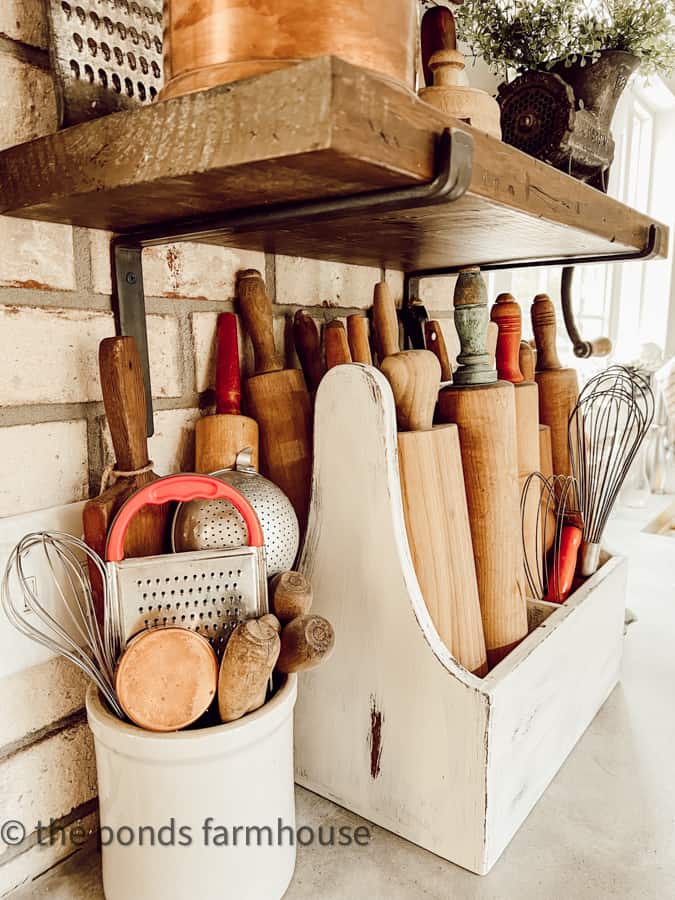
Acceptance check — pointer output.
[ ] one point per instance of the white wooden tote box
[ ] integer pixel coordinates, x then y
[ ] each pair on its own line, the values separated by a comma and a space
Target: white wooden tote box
392, 727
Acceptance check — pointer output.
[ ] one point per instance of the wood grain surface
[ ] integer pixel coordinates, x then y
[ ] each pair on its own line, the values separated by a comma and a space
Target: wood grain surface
336, 344
278, 400
437, 522
415, 378
486, 419
319, 129
359, 339
124, 401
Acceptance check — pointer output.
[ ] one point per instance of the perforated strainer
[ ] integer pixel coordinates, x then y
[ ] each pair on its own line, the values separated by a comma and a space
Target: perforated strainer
216, 524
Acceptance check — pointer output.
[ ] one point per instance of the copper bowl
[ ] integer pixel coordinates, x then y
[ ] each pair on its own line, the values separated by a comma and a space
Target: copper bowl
211, 42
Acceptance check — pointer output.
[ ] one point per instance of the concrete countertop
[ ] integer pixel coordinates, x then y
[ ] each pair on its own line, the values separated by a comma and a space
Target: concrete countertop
605, 826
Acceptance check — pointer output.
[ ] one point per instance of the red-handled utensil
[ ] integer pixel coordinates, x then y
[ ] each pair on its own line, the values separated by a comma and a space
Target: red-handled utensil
565, 556
220, 438
208, 591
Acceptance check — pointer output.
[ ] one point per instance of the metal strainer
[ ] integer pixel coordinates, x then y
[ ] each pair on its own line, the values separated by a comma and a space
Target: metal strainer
216, 524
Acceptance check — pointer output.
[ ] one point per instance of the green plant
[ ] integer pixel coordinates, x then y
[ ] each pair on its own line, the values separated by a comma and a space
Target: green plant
538, 34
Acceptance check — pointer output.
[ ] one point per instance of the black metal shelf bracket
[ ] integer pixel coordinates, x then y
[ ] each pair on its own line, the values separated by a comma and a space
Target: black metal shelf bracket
414, 313
454, 165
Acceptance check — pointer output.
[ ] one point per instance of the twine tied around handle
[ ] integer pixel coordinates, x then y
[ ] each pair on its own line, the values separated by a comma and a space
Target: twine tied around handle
111, 475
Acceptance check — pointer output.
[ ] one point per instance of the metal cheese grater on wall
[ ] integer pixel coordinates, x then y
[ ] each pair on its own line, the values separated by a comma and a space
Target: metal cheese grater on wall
106, 55
208, 591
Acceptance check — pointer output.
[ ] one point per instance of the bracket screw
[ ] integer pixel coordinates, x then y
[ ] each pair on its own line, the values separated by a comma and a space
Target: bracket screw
131, 278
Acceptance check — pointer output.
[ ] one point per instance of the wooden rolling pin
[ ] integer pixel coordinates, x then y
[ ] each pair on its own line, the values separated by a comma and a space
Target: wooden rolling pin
308, 347
290, 596
124, 402
336, 344
484, 410
219, 438
434, 503
279, 401
507, 315
306, 642
250, 656
385, 322
558, 387
359, 343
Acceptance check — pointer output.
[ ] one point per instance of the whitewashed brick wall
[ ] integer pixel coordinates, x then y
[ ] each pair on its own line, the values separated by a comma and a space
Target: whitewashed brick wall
55, 287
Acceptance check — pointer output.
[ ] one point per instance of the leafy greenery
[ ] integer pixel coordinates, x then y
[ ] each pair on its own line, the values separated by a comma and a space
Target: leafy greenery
538, 34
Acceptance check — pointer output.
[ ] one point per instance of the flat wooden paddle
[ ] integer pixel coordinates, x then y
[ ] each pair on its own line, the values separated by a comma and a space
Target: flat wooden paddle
124, 401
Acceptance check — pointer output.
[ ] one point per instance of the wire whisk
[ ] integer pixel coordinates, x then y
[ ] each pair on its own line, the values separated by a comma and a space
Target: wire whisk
551, 531
606, 429
70, 628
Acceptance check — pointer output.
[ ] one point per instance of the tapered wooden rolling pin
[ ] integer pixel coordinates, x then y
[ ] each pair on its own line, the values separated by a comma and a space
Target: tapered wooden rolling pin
290, 596
308, 347
279, 401
359, 343
558, 387
336, 345
507, 315
434, 503
306, 642
250, 656
219, 438
484, 410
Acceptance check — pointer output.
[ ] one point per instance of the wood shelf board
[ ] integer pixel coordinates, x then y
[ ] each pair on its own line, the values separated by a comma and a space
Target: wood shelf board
319, 129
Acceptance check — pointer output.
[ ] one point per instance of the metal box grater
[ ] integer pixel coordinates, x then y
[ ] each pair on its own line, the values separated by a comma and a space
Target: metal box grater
106, 55
209, 591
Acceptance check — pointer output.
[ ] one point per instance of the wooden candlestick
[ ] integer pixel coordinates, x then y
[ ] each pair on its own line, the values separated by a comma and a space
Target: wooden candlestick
471, 322
485, 413
449, 91
558, 387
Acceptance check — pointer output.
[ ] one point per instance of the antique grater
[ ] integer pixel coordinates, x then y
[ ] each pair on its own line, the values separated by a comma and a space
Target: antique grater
208, 591
106, 55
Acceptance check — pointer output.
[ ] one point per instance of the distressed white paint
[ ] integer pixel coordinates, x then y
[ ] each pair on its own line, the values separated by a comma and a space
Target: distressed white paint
462, 760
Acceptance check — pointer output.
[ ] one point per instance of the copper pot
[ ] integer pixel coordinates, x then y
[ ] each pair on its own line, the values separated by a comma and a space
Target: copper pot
211, 42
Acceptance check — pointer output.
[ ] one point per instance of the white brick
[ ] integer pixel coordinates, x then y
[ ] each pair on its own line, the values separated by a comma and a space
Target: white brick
24, 20
29, 102
395, 281
50, 778
164, 347
179, 271
172, 447
36, 255
37, 697
311, 282
204, 339
42, 465
437, 293
52, 355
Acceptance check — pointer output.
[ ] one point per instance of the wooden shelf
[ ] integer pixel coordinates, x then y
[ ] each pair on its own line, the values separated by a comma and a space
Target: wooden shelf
320, 129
